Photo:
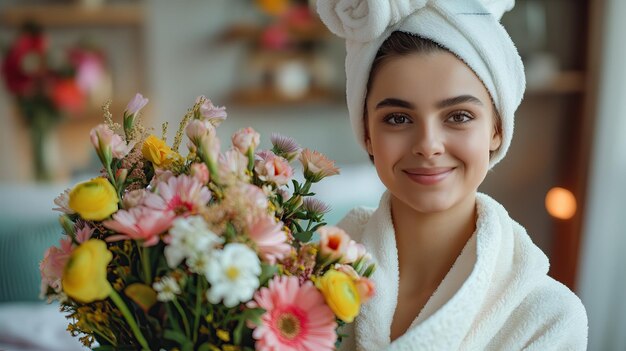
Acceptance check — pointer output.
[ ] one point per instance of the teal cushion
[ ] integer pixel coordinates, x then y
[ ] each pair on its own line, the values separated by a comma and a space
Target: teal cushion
22, 247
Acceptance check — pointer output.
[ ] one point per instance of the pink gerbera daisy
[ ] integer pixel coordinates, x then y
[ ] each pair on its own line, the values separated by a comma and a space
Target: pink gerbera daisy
182, 195
139, 223
296, 318
269, 237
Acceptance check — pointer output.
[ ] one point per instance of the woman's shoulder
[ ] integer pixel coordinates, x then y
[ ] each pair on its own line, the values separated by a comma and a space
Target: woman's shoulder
559, 314
557, 300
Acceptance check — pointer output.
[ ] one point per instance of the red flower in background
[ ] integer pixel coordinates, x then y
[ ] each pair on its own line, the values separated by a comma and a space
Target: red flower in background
275, 37
68, 96
24, 64
64, 88
45, 93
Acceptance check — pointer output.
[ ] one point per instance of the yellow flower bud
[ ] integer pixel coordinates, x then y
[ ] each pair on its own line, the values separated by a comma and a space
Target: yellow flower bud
157, 152
340, 294
94, 200
85, 274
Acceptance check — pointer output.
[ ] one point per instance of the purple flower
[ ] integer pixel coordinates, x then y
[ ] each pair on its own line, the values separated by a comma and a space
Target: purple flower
285, 146
315, 206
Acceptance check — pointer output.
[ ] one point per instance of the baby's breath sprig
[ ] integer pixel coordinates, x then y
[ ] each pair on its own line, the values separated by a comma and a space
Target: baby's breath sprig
181, 127
108, 116
164, 131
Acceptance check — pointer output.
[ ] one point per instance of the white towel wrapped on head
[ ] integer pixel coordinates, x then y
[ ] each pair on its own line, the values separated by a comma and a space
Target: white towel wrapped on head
470, 29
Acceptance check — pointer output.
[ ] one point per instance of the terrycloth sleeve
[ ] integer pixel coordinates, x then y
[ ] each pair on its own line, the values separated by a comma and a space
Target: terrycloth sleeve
565, 325
551, 317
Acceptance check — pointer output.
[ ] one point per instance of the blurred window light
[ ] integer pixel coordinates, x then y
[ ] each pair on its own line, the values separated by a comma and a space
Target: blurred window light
560, 203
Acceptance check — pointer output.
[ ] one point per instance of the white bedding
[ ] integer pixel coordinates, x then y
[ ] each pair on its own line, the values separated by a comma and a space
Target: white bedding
30, 326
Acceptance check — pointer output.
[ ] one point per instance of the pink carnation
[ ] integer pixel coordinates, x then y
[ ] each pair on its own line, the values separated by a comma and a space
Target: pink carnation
354, 251
135, 198
317, 166
63, 202
136, 104
210, 112
233, 164
296, 317
366, 289
103, 136
140, 223
52, 266
200, 172
83, 234
269, 237
273, 168
246, 139
333, 242
197, 129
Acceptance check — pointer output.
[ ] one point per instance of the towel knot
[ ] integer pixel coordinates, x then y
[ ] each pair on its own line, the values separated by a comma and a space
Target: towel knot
365, 20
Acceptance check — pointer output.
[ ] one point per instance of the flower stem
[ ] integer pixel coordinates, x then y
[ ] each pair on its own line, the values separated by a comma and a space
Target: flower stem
183, 316
104, 336
131, 321
196, 312
113, 182
145, 260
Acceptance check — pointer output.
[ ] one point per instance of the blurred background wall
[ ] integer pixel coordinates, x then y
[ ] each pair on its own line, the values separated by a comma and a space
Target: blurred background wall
285, 74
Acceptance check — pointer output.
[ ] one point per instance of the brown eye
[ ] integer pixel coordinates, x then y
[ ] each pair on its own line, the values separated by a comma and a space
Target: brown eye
395, 119
460, 118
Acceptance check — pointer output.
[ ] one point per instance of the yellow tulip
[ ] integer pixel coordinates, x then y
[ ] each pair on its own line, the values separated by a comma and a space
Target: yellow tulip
85, 274
340, 293
157, 152
94, 200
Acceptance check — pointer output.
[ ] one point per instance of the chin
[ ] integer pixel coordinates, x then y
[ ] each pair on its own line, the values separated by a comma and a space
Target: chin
430, 203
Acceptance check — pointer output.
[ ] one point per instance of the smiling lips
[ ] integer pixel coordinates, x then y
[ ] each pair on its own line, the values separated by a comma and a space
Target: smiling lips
428, 176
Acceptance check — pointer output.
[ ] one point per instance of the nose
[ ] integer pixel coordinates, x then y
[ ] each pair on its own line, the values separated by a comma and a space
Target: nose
428, 141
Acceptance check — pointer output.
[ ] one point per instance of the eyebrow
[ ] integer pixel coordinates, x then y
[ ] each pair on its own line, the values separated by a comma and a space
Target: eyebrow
459, 100
393, 102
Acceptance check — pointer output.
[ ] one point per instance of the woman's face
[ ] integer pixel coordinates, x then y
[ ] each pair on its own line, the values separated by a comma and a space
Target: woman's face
430, 129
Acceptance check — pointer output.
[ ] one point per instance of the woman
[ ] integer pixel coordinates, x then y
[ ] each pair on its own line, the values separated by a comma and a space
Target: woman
432, 88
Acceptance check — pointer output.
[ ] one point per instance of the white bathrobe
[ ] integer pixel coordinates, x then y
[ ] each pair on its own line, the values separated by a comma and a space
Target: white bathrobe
497, 295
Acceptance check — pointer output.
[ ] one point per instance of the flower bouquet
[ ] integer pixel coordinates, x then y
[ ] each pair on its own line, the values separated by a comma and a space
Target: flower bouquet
208, 251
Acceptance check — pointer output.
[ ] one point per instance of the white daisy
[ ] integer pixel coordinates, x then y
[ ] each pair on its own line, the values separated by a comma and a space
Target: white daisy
167, 288
233, 274
189, 238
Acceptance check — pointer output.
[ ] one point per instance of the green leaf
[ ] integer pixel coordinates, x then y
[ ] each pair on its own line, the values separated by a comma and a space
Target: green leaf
104, 348
303, 236
301, 215
208, 347
317, 226
254, 315
237, 331
178, 337
298, 226
267, 272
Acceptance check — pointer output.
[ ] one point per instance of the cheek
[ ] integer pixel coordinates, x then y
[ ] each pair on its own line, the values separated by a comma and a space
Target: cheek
473, 150
387, 147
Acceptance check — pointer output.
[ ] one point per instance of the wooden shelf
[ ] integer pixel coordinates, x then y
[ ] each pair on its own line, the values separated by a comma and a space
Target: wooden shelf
252, 32
565, 82
268, 98
73, 15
